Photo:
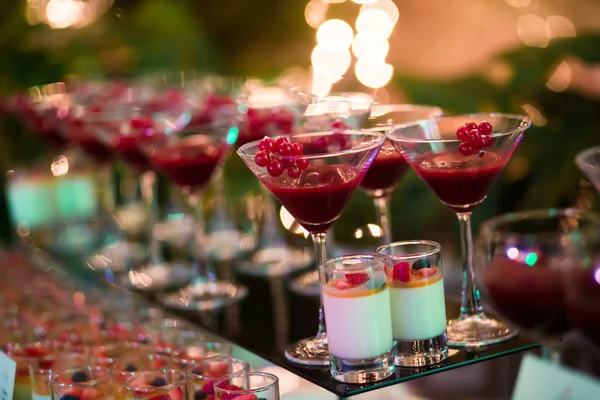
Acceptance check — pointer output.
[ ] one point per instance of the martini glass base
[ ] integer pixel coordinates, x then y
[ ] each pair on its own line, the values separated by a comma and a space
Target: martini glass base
156, 277
311, 352
307, 284
477, 331
276, 261
204, 296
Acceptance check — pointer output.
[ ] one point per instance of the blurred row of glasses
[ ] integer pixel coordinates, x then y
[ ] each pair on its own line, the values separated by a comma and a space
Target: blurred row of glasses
88, 344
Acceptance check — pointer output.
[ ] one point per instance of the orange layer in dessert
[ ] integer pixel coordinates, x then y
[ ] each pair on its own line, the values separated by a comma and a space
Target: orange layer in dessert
412, 278
355, 284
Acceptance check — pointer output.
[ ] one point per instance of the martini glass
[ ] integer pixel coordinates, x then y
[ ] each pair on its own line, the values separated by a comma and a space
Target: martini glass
461, 182
314, 182
190, 158
588, 162
389, 167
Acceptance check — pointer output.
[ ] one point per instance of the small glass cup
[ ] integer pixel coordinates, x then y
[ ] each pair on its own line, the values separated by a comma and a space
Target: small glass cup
194, 353
201, 377
40, 371
414, 272
358, 317
260, 384
146, 385
129, 365
92, 382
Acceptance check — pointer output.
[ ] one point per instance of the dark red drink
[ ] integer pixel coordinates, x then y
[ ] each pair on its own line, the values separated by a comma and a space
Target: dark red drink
385, 172
129, 148
531, 297
93, 147
318, 197
583, 302
191, 162
460, 182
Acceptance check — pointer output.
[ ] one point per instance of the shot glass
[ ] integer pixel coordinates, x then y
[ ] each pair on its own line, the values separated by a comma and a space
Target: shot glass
194, 353
108, 354
91, 382
40, 371
165, 382
246, 386
201, 377
415, 278
132, 364
358, 318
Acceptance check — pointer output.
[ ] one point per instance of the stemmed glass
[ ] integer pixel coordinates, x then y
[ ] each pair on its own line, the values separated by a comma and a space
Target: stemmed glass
389, 166
524, 259
313, 175
459, 158
588, 162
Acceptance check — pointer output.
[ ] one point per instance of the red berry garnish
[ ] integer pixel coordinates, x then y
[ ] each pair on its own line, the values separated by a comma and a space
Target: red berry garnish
485, 128
141, 123
267, 144
471, 125
294, 172
462, 134
208, 388
262, 159
302, 163
466, 149
275, 168
285, 149
480, 153
401, 272
487, 140
342, 284
337, 125
356, 278
427, 272
297, 149
280, 140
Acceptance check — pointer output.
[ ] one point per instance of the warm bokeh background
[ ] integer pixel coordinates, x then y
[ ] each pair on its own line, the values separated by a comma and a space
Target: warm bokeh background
538, 57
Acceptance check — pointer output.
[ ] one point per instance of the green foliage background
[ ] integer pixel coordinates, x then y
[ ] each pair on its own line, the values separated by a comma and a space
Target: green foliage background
264, 38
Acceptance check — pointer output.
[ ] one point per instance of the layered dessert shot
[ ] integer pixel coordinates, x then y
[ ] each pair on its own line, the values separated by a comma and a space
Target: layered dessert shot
93, 382
134, 363
247, 386
356, 298
201, 377
416, 287
165, 384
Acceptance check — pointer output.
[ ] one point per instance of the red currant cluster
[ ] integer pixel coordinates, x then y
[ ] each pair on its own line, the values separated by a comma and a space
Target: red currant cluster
141, 123
475, 138
270, 122
279, 154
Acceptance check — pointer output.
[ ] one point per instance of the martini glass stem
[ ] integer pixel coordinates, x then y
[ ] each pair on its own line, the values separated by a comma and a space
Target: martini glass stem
320, 243
204, 267
108, 196
150, 197
470, 303
383, 214
269, 234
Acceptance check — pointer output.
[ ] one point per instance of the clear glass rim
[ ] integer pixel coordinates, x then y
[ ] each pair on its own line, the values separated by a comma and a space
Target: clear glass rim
490, 227
170, 386
435, 248
91, 382
582, 157
405, 107
245, 366
266, 375
331, 263
393, 136
244, 153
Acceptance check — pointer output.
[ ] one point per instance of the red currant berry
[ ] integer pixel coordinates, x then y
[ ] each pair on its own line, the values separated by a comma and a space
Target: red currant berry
462, 134
275, 168
285, 149
267, 144
262, 159
287, 161
280, 140
141, 123
471, 125
302, 163
294, 172
480, 153
339, 125
297, 149
466, 149
475, 138
485, 128
487, 141
322, 143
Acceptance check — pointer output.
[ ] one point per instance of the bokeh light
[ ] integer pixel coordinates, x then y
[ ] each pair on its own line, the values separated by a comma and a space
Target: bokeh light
315, 13
321, 84
533, 30
376, 21
561, 78
560, 26
373, 75
386, 6
63, 13
331, 64
335, 35
366, 45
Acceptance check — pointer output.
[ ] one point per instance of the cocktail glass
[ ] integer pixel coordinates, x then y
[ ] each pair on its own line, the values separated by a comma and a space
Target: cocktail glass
524, 261
82, 382
313, 175
191, 159
151, 384
461, 183
247, 385
356, 299
389, 166
201, 377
